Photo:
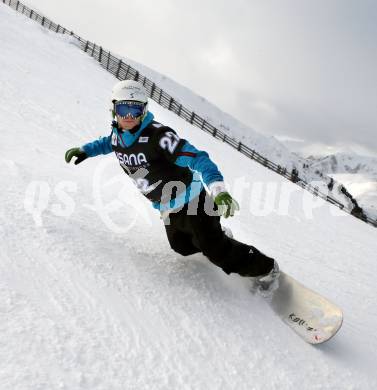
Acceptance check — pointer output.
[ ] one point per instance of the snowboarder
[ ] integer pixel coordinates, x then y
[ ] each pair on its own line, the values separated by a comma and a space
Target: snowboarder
181, 182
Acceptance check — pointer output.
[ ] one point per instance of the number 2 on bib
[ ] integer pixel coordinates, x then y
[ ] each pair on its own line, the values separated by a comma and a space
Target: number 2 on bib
169, 141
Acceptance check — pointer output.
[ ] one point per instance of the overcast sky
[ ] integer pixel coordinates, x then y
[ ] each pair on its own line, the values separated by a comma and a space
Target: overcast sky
305, 69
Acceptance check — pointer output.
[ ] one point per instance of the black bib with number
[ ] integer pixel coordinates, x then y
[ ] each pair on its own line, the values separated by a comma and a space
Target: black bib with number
149, 161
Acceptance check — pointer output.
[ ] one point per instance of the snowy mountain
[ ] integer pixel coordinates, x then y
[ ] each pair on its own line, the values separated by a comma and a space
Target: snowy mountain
358, 173
91, 295
345, 163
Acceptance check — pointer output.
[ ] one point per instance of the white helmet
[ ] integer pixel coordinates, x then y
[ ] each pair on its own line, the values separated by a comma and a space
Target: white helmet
130, 90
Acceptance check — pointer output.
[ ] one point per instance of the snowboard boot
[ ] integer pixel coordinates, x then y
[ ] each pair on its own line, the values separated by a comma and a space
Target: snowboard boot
265, 285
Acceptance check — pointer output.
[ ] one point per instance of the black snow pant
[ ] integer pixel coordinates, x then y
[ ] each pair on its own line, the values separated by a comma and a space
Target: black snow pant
189, 234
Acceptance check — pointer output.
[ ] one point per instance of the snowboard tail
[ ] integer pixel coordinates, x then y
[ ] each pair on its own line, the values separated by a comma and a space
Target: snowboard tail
313, 317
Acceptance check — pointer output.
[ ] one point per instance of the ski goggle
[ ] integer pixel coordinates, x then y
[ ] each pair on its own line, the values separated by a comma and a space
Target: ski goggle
129, 109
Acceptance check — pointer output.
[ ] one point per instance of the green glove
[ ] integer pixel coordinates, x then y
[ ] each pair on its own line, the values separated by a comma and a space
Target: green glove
75, 152
226, 204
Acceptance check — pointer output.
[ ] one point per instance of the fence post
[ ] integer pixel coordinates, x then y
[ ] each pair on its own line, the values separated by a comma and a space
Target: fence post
57, 28
43, 21
119, 65
192, 117
100, 54
170, 103
239, 146
136, 76
108, 61
127, 70
18, 4
159, 97
31, 14
86, 46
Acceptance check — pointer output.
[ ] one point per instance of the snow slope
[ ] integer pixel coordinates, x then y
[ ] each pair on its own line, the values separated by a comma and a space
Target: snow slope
91, 296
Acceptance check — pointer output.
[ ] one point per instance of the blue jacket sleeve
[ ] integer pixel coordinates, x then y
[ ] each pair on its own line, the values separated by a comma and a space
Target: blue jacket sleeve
99, 146
198, 161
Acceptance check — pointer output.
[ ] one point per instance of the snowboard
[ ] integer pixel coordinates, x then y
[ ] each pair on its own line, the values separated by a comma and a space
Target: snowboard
314, 318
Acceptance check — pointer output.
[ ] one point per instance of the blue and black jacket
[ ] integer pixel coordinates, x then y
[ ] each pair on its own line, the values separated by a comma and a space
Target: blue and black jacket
168, 170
